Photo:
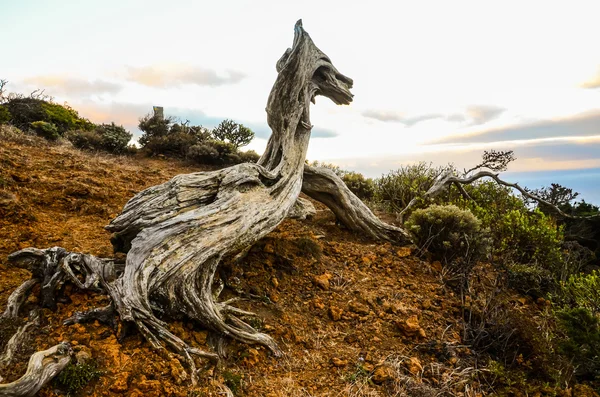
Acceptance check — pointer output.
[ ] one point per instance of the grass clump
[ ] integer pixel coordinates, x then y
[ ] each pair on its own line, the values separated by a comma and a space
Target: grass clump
74, 377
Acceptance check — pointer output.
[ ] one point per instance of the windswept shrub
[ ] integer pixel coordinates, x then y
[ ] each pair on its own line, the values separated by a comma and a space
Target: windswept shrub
582, 344
176, 144
582, 290
530, 280
231, 132
397, 188
75, 376
450, 234
46, 130
115, 138
86, 140
5, 115
26, 110
111, 138
363, 188
249, 156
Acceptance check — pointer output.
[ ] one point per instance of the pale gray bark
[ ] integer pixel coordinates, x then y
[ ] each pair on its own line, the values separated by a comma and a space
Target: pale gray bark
323, 185
177, 233
43, 367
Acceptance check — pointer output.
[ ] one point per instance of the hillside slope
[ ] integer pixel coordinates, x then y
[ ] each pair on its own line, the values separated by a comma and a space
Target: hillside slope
354, 318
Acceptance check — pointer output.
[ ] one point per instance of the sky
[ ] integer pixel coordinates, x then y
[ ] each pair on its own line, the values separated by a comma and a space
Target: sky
436, 81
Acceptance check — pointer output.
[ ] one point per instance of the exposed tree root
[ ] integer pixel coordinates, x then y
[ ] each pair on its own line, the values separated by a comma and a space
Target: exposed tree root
43, 367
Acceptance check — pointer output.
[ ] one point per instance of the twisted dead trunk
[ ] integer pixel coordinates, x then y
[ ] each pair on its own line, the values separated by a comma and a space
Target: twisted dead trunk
176, 234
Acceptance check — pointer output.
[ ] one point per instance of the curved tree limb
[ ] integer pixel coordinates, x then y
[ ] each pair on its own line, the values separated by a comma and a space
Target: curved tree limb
43, 367
324, 185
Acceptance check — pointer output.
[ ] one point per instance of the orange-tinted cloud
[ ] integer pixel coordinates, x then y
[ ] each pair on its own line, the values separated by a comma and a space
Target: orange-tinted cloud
74, 87
473, 115
594, 82
165, 76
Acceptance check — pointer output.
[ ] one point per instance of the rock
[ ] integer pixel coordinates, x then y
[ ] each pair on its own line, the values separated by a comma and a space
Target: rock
413, 365
426, 304
335, 313
83, 355
275, 282
338, 362
411, 327
120, 383
322, 281
358, 308
382, 374
403, 252
200, 337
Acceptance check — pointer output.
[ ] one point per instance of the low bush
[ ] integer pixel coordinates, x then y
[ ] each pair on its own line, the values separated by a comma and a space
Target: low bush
106, 137
5, 115
450, 234
26, 110
176, 144
582, 342
75, 376
398, 188
45, 130
363, 188
530, 280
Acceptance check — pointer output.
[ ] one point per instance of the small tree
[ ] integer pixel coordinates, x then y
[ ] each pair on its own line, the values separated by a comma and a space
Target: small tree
236, 134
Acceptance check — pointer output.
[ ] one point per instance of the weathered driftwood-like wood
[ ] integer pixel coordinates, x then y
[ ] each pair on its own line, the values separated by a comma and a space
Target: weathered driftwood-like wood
17, 298
176, 234
43, 367
323, 185
179, 232
18, 339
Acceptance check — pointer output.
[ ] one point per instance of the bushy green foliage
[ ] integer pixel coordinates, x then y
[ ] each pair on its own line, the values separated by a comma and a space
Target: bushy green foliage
452, 235
397, 188
530, 279
45, 129
236, 134
518, 234
363, 188
175, 145
249, 156
5, 115
26, 110
582, 344
111, 138
75, 377
115, 138
583, 291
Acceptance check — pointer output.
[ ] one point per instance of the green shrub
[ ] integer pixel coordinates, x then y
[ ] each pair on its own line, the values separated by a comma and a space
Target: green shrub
397, 188
450, 234
249, 156
87, 140
582, 344
231, 132
363, 188
25, 111
115, 138
107, 137
582, 290
45, 129
530, 280
175, 145
5, 115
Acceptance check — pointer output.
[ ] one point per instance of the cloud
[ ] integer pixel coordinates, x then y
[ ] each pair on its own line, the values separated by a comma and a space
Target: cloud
594, 82
398, 117
318, 132
474, 115
75, 87
482, 114
165, 76
584, 124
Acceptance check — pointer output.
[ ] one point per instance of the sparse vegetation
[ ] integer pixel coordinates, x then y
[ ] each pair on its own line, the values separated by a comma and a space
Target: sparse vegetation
75, 376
